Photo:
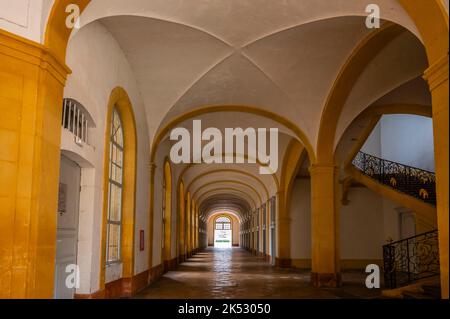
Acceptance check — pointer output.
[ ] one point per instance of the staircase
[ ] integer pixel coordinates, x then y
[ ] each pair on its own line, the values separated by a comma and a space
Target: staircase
413, 265
409, 180
425, 289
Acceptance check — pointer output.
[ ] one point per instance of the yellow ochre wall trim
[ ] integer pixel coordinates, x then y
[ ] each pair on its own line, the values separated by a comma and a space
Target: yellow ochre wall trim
120, 101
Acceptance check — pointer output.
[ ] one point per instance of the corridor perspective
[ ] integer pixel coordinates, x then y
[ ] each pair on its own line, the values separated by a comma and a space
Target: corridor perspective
218, 149
235, 273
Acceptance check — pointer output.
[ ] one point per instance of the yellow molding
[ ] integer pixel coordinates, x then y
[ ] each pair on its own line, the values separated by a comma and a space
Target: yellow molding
166, 253
56, 33
149, 241
361, 140
293, 159
34, 53
181, 219
188, 222
437, 73
431, 19
349, 73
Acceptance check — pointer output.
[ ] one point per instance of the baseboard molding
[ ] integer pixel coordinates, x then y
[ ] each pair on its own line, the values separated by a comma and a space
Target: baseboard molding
323, 280
301, 263
359, 264
346, 264
170, 264
95, 295
283, 262
123, 287
155, 273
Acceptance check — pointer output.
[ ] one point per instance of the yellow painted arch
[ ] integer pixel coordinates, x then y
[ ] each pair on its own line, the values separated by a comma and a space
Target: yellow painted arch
228, 182
375, 112
366, 50
229, 171
237, 190
191, 165
231, 108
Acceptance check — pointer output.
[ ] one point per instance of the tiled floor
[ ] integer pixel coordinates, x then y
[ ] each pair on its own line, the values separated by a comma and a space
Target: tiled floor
235, 273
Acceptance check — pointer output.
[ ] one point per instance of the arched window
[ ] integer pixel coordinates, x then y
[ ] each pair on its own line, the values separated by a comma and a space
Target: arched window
223, 223
114, 217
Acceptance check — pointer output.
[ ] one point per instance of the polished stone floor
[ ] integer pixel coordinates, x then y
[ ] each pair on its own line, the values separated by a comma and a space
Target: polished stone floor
235, 273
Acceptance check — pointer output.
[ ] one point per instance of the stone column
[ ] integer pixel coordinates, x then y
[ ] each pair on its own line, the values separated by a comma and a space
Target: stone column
437, 77
152, 170
188, 226
324, 228
31, 93
283, 233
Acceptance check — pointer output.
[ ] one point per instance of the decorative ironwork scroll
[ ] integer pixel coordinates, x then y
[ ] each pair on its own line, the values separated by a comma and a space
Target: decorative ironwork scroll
411, 259
412, 181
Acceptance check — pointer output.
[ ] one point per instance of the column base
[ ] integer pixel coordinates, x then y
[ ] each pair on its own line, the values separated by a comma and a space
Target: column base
170, 264
283, 262
333, 280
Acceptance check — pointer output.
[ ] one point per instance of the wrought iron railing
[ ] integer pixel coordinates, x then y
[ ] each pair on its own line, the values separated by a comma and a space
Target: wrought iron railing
413, 181
411, 259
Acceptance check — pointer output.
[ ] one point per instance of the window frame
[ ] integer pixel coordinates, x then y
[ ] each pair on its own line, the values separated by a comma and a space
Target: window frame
119, 185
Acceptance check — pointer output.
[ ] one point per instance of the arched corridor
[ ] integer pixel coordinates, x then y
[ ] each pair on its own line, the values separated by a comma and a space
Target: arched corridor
223, 149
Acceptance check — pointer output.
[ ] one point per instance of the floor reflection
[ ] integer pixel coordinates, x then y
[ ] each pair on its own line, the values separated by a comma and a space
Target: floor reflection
235, 273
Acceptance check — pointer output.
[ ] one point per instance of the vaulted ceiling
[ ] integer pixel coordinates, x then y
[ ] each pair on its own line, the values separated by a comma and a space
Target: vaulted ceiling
279, 56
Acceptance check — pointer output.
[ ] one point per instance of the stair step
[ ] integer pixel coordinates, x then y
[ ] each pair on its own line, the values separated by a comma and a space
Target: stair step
432, 290
416, 295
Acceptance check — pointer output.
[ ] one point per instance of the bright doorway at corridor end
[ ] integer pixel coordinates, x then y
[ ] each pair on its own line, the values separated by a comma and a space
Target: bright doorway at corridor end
223, 233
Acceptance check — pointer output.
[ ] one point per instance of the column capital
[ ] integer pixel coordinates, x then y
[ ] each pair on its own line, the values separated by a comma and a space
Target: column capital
152, 167
322, 169
437, 73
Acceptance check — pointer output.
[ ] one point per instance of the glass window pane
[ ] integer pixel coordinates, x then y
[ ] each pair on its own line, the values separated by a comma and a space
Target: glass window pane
115, 190
115, 203
117, 155
113, 242
223, 220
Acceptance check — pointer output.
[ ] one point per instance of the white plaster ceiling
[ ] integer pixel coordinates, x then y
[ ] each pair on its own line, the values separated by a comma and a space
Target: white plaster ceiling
401, 61
282, 56
278, 55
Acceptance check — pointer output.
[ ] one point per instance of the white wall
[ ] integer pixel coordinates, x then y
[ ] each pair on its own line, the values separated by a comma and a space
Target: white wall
300, 213
366, 223
402, 138
98, 66
26, 18
361, 225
